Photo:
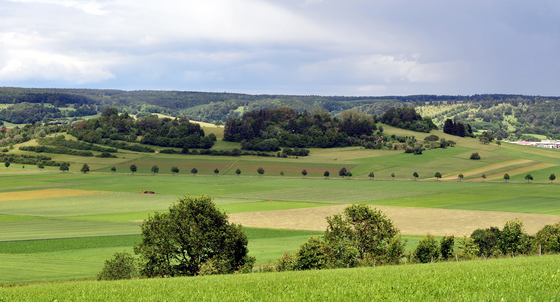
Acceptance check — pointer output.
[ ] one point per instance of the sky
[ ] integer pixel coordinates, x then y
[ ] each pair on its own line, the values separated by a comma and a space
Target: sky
302, 47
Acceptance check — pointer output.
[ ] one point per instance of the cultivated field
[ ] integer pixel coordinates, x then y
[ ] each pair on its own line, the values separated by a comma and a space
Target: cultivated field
62, 226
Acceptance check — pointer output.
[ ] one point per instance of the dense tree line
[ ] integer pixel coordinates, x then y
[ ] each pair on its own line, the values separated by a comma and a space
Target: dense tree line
163, 132
28, 159
407, 118
55, 150
457, 128
268, 130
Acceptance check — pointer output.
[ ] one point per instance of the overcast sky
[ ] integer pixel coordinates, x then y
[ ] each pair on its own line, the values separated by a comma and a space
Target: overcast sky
322, 47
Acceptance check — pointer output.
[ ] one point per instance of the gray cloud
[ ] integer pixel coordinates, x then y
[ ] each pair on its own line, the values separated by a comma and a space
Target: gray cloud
350, 47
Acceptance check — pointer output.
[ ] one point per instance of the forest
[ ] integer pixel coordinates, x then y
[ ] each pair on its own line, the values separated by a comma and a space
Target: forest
507, 116
268, 130
163, 132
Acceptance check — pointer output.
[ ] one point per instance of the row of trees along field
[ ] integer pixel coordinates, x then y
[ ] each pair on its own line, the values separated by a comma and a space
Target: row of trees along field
357, 237
165, 132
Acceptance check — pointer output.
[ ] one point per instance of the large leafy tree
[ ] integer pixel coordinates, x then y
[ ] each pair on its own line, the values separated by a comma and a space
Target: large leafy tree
192, 233
368, 231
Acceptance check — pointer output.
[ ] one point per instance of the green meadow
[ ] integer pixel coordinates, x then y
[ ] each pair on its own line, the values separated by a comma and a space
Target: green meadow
54, 237
513, 279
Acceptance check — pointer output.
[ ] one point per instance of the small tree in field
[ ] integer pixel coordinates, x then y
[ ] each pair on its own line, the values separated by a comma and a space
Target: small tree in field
483, 177
326, 174
113, 169
155, 169
260, 170
506, 177
528, 177
393, 176
371, 175
475, 156
7, 164
552, 177
304, 172
461, 177
194, 171
216, 171
349, 174
133, 168
237, 172
342, 172
281, 173
415, 175
64, 167
84, 169
41, 165
437, 176
174, 170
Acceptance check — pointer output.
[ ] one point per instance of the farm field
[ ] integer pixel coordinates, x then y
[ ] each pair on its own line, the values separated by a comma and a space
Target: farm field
512, 279
53, 221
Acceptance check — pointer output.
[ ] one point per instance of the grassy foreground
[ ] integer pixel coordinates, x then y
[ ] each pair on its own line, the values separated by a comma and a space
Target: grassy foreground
528, 279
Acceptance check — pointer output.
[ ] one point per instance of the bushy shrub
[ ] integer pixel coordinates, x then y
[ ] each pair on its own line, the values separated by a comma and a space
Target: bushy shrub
446, 247
427, 250
122, 266
486, 240
549, 238
312, 255
286, 263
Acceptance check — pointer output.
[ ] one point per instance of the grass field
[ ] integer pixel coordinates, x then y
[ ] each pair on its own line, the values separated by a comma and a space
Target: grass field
49, 217
517, 279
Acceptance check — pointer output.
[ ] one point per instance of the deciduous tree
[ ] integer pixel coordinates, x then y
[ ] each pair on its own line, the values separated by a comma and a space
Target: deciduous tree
155, 169
174, 170
194, 171
260, 170
133, 168
415, 175
552, 177
506, 177
238, 172
192, 233
85, 168
437, 176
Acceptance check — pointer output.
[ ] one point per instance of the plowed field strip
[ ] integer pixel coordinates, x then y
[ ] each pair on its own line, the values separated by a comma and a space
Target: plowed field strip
518, 171
411, 221
491, 167
47, 193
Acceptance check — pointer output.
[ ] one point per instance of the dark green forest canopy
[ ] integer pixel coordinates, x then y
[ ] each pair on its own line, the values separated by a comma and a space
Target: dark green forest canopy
267, 130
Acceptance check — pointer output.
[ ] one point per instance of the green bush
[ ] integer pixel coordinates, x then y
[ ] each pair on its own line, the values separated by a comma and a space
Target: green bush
549, 238
312, 255
286, 263
427, 250
122, 266
446, 247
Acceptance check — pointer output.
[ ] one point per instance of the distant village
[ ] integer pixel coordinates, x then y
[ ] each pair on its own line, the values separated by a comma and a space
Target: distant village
552, 144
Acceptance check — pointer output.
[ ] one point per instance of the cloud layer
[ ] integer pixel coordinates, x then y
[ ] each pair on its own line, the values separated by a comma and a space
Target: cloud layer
352, 47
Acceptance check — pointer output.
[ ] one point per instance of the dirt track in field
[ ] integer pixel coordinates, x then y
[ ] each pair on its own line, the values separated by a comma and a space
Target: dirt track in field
411, 221
483, 169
